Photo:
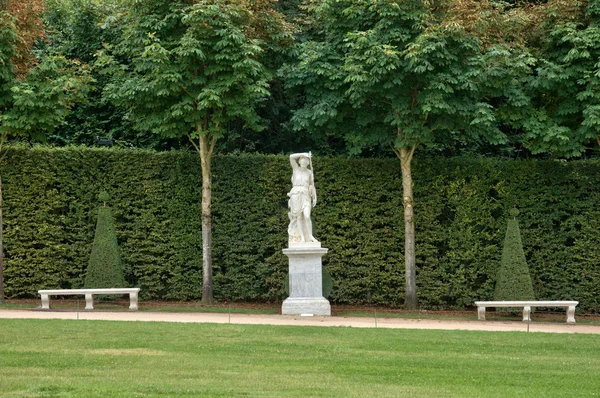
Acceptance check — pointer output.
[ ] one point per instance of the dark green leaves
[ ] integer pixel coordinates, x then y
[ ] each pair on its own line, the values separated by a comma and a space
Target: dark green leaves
8, 40
192, 73
566, 86
400, 73
44, 98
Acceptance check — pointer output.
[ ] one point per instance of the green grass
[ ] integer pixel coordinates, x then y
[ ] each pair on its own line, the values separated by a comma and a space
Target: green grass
233, 310
59, 358
489, 316
403, 314
17, 305
124, 305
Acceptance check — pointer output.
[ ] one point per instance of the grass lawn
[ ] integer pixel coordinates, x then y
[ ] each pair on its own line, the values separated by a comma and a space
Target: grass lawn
537, 316
60, 358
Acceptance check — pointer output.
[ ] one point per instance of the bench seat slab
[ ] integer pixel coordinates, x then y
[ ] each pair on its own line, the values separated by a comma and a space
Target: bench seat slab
89, 296
570, 305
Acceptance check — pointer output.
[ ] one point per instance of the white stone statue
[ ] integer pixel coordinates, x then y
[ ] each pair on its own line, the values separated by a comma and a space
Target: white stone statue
303, 197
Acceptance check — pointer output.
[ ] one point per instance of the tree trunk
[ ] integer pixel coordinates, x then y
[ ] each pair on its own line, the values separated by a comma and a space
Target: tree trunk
1, 249
410, 295
205, 160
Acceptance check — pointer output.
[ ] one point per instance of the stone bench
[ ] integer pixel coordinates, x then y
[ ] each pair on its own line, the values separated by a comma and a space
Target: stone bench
89, 296
569, 305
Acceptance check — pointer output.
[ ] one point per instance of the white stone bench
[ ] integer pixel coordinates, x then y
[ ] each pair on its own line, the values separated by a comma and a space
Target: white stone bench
569, 305
89, 296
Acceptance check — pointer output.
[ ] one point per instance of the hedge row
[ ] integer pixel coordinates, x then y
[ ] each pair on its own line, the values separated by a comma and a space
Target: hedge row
460, 212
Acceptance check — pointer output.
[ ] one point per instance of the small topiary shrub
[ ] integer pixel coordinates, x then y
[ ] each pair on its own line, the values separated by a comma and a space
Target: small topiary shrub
105, 269
513, 281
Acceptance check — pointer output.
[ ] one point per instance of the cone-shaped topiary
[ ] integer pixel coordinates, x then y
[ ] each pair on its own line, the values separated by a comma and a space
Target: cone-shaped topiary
105, 269
513, 281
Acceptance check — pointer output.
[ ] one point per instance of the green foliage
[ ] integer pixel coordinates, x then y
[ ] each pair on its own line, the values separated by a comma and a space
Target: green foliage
74, 28
192, 68
513, 281
565, 89
399, 73
8, 40
105, 269
44, 98
449, 75
35, 104
327, 283
77, 30
104, 196
50, 207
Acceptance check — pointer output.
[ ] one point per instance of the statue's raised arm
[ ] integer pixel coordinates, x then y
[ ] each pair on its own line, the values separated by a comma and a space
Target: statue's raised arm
294, 158
303, 197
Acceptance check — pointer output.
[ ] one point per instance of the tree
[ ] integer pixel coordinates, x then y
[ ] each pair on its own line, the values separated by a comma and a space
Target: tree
76, 29
513, 281
191, 69
405, 74
28, 28
564, 116
105, 269
35, 95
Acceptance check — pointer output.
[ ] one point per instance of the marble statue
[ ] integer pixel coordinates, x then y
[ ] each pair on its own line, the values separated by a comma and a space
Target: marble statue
304, 252
302, 198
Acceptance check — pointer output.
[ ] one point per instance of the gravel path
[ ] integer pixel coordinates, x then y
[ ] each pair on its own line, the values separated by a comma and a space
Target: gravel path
359, 322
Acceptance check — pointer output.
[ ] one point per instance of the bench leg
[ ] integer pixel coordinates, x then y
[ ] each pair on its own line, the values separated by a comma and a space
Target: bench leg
571, 314
526, 314
481, 313
89, 301
133, 301
45, 302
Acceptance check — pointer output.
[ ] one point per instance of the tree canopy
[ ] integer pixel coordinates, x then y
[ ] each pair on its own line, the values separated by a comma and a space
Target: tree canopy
404, 74
565, 85
556, 116
339, 77
192, 69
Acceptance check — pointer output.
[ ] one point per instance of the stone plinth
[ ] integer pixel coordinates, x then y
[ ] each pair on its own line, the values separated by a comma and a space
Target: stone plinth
306, 283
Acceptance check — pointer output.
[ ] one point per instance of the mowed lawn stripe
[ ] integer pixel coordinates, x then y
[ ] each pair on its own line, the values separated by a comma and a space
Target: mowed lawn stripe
64, 358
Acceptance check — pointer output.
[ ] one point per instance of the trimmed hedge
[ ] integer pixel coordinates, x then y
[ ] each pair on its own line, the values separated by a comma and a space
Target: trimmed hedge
460, 207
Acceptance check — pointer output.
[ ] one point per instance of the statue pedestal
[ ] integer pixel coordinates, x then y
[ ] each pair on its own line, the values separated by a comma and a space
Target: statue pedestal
306, 283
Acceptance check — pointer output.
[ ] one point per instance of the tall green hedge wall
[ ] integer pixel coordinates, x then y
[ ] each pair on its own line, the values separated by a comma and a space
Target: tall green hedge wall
461, 207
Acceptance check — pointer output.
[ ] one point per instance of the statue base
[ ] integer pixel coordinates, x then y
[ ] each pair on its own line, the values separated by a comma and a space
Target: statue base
306, 306
304, 244
306, 281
